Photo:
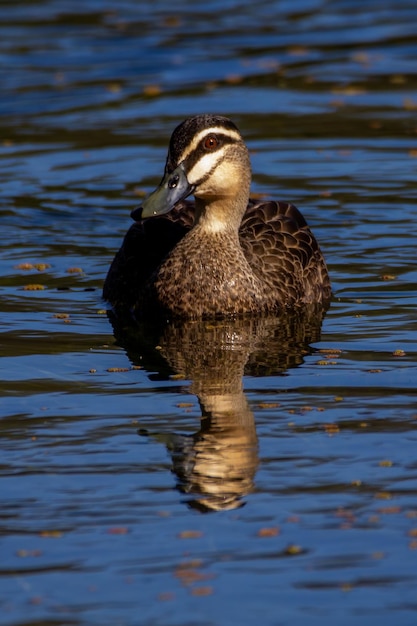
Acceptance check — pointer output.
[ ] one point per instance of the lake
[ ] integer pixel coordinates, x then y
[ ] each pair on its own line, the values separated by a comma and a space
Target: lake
248, 472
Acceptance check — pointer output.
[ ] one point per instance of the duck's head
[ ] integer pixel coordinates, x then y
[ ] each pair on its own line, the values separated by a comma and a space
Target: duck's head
207, 157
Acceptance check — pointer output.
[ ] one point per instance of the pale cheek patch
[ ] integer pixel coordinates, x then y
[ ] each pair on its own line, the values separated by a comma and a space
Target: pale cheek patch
204, 166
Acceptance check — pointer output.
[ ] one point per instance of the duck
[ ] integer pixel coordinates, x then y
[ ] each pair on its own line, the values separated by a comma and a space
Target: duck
221, 254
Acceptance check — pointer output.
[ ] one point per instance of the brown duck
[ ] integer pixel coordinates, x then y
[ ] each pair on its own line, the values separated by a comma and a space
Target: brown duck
222, 255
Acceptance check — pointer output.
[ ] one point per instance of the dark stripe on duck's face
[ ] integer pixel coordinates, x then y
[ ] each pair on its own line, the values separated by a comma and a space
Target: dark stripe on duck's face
200, 159
197, 146
201, 150
188, 134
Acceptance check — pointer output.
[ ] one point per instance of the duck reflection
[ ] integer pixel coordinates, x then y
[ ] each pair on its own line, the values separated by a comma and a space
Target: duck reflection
216, 466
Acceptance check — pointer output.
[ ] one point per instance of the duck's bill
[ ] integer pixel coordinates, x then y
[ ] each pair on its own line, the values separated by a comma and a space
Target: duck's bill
173, 188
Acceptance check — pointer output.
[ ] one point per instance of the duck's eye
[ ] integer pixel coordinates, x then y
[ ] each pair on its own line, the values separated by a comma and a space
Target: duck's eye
211, 142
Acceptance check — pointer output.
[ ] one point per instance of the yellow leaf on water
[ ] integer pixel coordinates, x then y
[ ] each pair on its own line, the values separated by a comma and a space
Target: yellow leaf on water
293, 549
389, 510
273, 531
24, 266
171, 21
118, 530
41, 267
378, 555
74, 270
113, 87
297, 51
397, 79
349, 90
383, 495
202, 591
152, 90
409, 104
51, 534
28, 553
233, 79
331, 429
361, 57
190, 534
34, 287
165, 596
268, 405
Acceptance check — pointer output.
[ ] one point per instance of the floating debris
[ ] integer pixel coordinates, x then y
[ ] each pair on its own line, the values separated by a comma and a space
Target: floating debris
113, 87
273, 531
28, 553
117, 530
190, 534
151, 91
385, 463
75, 270
40, 267
409, 104
51, 534
267, 405
331, 429
34, 287
202, 591
326, 362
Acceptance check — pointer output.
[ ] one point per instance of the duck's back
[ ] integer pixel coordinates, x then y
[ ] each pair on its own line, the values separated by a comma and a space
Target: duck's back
283, 253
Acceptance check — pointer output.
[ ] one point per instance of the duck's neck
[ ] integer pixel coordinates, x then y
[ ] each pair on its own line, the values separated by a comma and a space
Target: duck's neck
220, 214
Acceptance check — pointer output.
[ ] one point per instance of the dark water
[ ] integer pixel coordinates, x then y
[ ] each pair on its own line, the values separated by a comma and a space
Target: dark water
300, 440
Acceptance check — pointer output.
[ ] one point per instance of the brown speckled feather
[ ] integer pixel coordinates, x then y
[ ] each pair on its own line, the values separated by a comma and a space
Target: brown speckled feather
274, 237
284, 253
144, 247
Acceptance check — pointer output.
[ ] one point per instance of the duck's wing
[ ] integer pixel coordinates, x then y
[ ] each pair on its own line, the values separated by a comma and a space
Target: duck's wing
146, 244
283, 252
